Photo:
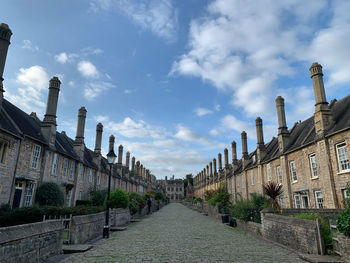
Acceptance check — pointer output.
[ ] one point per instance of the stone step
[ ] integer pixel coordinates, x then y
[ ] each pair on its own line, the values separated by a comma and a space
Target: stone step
135, 220
320, 258
118, 228
75, 248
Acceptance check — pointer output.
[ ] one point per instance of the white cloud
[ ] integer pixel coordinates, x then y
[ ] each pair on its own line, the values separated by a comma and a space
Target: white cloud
127, 91
29, 96
62, 58
87, 69
27, 44
101, 118
157, 16
202, 111
71, 83
94, 89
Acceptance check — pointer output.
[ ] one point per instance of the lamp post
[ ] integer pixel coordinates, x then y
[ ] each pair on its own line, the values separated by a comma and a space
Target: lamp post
110, 159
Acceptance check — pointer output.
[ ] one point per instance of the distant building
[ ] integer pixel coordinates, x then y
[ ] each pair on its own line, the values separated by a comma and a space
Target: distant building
174, 188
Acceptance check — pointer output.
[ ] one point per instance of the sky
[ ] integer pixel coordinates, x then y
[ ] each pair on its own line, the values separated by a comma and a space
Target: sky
175, 81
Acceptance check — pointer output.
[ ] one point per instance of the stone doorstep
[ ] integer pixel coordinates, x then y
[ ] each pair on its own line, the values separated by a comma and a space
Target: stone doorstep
320, 258
75, 248
118, 228
135, 220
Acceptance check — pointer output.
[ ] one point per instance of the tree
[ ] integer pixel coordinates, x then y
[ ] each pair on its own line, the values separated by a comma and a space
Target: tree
50, 193
274, 191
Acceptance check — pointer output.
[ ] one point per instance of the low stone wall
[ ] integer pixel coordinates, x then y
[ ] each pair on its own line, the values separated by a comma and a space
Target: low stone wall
120, 217
341, 244
250, 227
300, 234
325, 213
31, 242
85, 228
212, 211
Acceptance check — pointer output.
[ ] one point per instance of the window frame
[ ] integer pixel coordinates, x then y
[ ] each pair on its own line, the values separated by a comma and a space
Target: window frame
337, 147
72, 170
293, 171
279, 174
316, 199
295, 201
35, 157
90, 176
65, 167
252, 177
54, 164
29, 189
314, 172
268, 172
4, 145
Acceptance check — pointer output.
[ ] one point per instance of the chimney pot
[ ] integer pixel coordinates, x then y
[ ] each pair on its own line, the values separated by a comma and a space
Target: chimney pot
98, 140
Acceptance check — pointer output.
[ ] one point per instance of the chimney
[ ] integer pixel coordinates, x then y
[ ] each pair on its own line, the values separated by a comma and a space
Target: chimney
214, 163
98, 141
166, 178
5, 36
205, 176
48, 126
79, 145
220, 161
244, 148
141, 171
211, 169
261, 151
133, 164
234, 156
79, 138
226, 157
111, 143
127, 161
323, 115
137, 168
120, 155
283, 134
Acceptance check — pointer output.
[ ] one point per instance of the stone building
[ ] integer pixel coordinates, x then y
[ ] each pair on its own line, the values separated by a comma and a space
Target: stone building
32, 151
174, 188
310, 160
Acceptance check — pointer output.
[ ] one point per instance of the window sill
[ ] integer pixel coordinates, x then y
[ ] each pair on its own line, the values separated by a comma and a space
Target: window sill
344, 172
294, 182
314, 178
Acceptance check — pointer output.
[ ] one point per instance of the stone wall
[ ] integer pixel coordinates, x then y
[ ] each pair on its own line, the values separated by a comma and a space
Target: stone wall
85, 228
250, 227
120, 217
31, 242
341, 244
326, 213
300, 234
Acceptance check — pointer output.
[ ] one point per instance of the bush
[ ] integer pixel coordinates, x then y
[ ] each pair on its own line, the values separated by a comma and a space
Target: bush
242, 209
119, 199
220, 197
343, 222
136, 203
98, 197
209, 194
274, 191
198, 200
160, 196
50, 193
85, 202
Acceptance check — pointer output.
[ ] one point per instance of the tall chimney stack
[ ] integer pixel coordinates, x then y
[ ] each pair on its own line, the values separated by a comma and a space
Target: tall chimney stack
133, 164
208, 173
79, 138
48, 126
283, 134
260, 139
226, 157
120, 155
127, 160
220, 161
98, 141
323, 115
234, 156
137, 168
5, 36
214, 163
111, 143
244, 148
211, 169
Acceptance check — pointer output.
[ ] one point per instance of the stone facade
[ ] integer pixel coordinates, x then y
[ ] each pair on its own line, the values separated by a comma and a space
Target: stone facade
32, 151
310, 160
31, 242
173, 188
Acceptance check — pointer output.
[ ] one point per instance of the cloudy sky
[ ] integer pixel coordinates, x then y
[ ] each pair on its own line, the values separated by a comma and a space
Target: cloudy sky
175, 81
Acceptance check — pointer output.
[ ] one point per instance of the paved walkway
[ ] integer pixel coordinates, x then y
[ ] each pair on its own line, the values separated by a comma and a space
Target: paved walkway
178, 234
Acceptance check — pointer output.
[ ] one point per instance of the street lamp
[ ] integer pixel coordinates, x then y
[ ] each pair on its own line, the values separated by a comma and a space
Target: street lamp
110, 159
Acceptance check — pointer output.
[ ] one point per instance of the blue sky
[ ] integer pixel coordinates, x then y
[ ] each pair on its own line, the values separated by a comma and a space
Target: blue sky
175, 81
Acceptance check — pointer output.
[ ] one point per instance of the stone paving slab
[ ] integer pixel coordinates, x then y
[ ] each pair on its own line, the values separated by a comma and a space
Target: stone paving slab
76, 248
178, 234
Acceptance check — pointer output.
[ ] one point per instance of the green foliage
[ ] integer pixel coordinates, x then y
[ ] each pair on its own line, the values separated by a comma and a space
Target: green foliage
347, 200
209, 194
274, 191
220, 197
5, 208
85, 202
198, 200
137, 202
98, 197
118, 199
343, 222
33, 214
49, 193
148, 195
159, 196
308, 216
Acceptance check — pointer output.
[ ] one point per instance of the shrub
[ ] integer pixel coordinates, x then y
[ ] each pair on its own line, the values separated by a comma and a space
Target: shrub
343, 222
136, 203
49, 193
198, 200
242, 209
98, 197
274, 191
118, 199
220, 197
85, 202
209, 194
160, 196
4, 208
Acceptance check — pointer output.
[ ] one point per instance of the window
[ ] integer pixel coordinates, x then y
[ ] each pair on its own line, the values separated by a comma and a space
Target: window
279, 174
343, 159
346, 194
35, 157
268, 172
72, 168
68, 198
90, 175
318, 199
79, 196
243, 180
81, 171
282, 201
293, 171
29, 194
252, 177
313, 166
65, 167
297, 201
3, 148
54, 164
98, 179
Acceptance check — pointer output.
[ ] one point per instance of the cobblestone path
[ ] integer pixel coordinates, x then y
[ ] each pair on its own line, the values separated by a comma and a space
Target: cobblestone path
178, 234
